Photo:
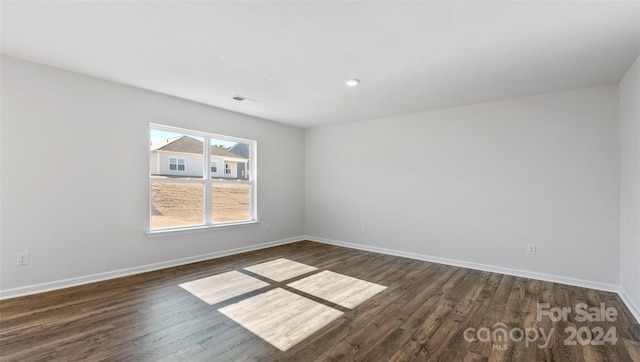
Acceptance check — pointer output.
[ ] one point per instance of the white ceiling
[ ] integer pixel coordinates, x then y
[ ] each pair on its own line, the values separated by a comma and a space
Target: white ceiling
293, 56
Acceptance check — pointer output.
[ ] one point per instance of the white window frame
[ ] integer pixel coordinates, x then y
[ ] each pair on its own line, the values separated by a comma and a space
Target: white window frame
227, 168
207, 181
212, 164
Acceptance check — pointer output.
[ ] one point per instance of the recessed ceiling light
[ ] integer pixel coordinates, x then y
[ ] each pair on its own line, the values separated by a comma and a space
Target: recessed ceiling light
352, 82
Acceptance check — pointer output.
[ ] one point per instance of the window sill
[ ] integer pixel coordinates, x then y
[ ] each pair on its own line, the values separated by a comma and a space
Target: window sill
199, 228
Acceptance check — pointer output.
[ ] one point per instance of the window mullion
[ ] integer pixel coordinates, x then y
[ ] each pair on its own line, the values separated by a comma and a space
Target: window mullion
253, 199
206, 174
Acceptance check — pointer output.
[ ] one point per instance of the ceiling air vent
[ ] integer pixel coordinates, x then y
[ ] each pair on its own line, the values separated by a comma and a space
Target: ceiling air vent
240, 99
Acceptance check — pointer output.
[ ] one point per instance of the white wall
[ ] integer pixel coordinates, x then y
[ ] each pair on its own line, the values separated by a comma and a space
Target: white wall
630, 186
472, 184
74, 167
477, 184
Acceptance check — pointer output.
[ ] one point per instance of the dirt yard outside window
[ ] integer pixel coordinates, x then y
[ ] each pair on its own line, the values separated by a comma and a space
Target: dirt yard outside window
181, 204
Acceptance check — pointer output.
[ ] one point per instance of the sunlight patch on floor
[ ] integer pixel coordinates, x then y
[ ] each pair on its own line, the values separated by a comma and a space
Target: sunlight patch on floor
280, 317
283, 317
218, 288
341, 289
280, 269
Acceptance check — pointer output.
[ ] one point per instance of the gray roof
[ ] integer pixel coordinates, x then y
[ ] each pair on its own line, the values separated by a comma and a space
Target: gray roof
186, 144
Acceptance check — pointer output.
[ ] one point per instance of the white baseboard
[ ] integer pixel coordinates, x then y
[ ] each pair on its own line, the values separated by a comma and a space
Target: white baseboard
635, 310
494, 269
464, 264
66, 283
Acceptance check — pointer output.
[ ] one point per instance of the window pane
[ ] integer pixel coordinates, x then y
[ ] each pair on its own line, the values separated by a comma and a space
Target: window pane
230, 203
177, 167
174, 204
175, 154
233, 158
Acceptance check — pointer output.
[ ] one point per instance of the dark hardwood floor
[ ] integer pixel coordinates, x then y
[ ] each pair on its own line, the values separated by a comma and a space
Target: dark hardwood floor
428, 312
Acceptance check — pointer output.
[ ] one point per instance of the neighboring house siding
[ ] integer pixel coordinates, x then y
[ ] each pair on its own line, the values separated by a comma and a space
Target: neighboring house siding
190, 164
153, 163
220, 171
234, 169
159, 165
242, 150
242, 172
193, 164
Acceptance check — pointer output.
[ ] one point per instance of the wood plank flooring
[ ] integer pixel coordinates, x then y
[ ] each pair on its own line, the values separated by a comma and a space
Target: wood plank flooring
426, 312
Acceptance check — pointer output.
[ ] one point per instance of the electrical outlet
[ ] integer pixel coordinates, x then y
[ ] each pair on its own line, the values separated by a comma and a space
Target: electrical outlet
23, 258
531, 249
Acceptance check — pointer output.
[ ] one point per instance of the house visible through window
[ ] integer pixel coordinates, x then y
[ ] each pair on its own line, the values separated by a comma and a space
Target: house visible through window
188, 189
176, 164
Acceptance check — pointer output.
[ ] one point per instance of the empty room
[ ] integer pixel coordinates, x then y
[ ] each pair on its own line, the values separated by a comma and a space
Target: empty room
320, 181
